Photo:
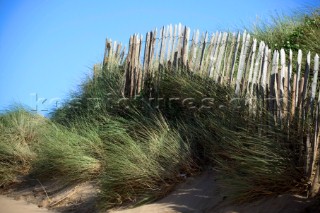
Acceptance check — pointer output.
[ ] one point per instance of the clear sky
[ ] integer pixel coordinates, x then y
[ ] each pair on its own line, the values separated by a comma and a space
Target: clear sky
48, 46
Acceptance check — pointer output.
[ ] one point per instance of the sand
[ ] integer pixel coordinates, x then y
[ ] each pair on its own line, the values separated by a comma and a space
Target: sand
195, 195
9, 205
200, 194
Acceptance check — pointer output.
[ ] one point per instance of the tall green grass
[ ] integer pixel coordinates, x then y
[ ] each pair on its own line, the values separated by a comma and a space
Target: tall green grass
146, 166
251, 158
65, 154
18, 134
139, 150
147, 142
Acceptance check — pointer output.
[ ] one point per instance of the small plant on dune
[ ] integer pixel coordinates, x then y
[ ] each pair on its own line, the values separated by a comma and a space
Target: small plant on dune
18, 135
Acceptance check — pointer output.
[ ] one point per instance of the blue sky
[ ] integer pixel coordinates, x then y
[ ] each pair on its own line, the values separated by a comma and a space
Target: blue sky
48, 46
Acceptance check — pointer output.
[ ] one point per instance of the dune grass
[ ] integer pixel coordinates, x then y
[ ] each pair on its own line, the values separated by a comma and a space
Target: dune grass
139, 150
225, 136
66, 155
298, 31
147, 166
18, 134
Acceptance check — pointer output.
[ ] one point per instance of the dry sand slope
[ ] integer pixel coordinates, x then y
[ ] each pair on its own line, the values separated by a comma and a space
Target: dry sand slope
202, 194
195, 195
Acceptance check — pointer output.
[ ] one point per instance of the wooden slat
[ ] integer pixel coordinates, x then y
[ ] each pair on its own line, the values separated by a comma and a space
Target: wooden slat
277, 89
174, 43
210, 45
306, 77
153, 38
264, 67
220, 56
244, 35
285, 87
224, 75
247, 75
170, 43
300, 91
294, 95
272, 84
127, 86
185, 46
247, 66
117, 53
235, 57
107, 52
138, 67
213, 54
314, 116
133, 64
162, 45
242, 64
253, 55
314, 83
254, 67
290, 100
110, 56
179, 46
166, 45
194, 49
191, 61
258, 81
157, 50
113, 56
204, 42
282, 85
269, 64
306, 80
304, 127
146, 54
231, 49
298, 75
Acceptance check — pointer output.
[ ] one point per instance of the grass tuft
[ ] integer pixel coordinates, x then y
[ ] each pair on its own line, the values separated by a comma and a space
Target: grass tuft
18, 134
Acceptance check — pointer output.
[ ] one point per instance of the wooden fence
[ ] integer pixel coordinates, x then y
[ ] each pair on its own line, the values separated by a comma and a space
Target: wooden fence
276, 79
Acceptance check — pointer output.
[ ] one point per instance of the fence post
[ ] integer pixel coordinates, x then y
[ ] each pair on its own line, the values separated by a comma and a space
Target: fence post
242, 63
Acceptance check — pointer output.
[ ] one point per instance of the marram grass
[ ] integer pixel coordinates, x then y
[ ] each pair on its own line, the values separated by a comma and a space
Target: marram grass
145, 168
18, 134
65, 154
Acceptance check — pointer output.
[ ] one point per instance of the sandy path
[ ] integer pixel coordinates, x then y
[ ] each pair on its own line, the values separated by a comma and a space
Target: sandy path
9, 205
202, 195
197, 194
